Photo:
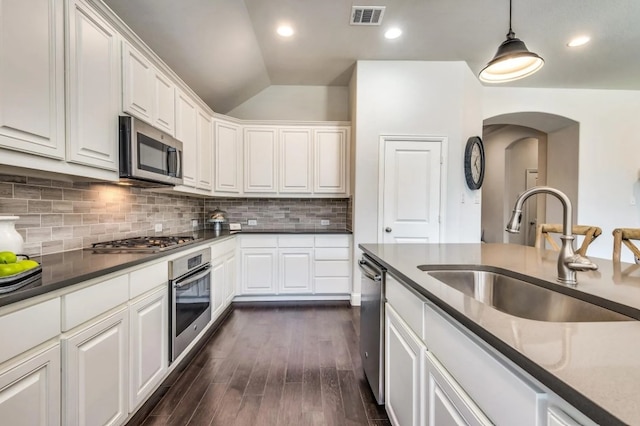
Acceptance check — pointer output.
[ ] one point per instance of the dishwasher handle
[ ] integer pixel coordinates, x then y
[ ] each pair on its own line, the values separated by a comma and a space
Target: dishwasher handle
368, 272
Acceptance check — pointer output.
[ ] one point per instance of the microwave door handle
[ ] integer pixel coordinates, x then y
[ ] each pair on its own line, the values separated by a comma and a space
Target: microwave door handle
178, 164
172, 161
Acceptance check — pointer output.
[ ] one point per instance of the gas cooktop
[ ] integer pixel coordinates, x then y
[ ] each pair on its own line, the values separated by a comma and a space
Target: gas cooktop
141, 244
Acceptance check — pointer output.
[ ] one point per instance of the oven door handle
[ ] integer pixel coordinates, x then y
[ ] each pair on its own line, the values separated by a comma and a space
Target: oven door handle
191, 278
368, 272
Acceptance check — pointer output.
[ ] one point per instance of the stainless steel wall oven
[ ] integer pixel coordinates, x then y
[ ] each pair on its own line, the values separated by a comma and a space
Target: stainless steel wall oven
190, 307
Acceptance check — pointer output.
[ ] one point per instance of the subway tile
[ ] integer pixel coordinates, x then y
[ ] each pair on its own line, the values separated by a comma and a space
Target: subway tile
28, 221
71, 194
37, 235
51, 194
53, 219
72, 219
32, 249
40, 206
81, 231
12, 178
90, 219
26, 191
38, 181
72, 244
98, 229
6, 190
49, 247
60, 206
62, 232
81, 206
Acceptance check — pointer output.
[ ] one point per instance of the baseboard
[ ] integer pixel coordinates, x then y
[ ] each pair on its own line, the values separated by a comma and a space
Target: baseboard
355, 299
291, 303
290, 298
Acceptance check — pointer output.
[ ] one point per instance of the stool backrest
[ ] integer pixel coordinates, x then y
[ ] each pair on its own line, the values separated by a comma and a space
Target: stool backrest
544, 229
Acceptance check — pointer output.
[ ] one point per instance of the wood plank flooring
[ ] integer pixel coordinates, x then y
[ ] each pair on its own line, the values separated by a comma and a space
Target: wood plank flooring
293, 365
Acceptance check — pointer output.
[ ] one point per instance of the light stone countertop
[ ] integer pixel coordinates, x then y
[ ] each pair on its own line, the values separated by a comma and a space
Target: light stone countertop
593, 366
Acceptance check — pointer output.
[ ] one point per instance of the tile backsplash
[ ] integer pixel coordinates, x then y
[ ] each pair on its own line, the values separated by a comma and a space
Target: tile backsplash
59, 216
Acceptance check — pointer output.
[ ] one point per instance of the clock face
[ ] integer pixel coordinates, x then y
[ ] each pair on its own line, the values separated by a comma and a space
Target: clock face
474, 162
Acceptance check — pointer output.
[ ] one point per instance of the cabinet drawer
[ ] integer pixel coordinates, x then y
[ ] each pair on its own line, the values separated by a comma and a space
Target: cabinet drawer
332, 268
510, 399
295, 241
406, 303
148, 278
332, 240
82, 305
22, 330
332, 253
258, 241
331, 285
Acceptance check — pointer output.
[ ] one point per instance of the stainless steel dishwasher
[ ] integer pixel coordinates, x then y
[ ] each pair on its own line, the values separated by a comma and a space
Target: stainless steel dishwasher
372, 324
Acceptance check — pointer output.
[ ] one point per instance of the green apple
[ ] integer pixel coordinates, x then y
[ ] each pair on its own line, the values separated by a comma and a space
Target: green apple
8, 257
8, 269
27, 264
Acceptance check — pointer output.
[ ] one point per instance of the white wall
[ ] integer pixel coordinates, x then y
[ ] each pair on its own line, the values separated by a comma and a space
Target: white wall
609, 154
520, 156
563, 171
306, 103
415, 98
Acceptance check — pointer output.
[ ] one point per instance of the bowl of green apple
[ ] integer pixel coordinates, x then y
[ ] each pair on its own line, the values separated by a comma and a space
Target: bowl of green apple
16, 268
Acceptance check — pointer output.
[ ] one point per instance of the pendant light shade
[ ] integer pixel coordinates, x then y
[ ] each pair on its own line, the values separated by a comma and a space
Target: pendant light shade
512, 60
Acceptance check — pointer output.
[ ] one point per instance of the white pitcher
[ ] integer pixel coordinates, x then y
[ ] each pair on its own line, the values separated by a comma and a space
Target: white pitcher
10, 239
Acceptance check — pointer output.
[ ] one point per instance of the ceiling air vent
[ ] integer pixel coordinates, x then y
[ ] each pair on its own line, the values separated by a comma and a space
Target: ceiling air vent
367, 15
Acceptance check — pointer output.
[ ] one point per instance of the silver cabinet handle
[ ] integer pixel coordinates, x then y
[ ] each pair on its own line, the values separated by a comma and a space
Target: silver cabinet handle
387, 229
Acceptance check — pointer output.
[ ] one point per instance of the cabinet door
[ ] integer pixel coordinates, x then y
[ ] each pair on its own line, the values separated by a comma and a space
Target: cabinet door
295, 272
260, 159
94, 88
138, 84
96, 373
403, 372
259, 271
446, 402
218, 278
230, 278
164, 111
30, 390
295, 160
205, 150
228, 157
149, 333
32, 77
557, 417
331, 148
187, 133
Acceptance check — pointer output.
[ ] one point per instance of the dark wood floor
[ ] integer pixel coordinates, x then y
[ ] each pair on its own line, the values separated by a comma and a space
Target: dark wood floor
296, 365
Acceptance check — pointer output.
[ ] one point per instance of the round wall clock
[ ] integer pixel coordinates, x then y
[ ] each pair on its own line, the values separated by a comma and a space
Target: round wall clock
474, 162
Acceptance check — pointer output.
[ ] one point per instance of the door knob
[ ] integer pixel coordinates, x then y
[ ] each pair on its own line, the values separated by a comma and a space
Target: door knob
387, 229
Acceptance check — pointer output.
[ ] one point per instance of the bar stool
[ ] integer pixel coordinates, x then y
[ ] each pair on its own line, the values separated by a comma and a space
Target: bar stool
625, 235
544, 229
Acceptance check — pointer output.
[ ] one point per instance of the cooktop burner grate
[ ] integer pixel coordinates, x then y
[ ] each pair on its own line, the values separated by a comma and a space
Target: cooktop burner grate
142, 244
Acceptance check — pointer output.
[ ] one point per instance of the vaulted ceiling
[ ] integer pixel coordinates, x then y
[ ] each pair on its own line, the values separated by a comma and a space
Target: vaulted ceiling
228, 51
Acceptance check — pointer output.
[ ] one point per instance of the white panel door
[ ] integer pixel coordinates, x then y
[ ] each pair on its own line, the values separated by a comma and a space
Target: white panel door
259, 271
230, 278
138, 89
331, 147
96, 369
260, 159
30, 390
295, 161
187, 133
411, 192
227, 157
32, 77
403, 372
148, 345
94, 88
205, 150
218, 277
164, 111
295, 273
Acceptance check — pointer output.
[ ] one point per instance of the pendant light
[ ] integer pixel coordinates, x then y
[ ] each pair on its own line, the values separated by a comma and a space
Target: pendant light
512, 60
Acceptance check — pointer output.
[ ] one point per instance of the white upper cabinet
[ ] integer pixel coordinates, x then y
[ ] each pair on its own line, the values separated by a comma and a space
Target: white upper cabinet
227, 157
32, 77
147, 93
295, 160
93, 82
187, 133
204, 150
260, 159
331, 158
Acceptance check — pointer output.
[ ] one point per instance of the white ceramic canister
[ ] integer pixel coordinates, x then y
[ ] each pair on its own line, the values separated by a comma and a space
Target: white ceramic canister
10, 239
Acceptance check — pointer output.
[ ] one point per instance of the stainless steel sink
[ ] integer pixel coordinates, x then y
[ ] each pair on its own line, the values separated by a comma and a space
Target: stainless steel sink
523, 299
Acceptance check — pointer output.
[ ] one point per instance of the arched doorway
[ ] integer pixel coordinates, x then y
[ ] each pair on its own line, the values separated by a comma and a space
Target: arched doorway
537, 146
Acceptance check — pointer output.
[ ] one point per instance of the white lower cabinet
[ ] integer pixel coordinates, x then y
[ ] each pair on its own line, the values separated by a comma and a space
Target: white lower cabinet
403, 372
96, 366
259, 269
218, 278
30, 390
148, 343
295, 270
230, 277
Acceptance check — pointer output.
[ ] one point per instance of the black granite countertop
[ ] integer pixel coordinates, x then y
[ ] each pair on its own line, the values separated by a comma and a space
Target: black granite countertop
64, 269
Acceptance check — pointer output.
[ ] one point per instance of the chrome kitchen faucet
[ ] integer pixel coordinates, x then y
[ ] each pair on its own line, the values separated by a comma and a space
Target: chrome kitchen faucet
568, 260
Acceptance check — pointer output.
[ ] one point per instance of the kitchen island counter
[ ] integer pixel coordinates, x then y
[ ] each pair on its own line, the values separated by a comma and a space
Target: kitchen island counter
600, 369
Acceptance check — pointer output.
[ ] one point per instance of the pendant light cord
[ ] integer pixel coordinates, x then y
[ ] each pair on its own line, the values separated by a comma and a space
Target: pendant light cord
510, 34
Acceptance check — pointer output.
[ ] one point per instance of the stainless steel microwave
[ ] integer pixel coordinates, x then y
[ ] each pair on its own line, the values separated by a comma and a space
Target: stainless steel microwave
148, 156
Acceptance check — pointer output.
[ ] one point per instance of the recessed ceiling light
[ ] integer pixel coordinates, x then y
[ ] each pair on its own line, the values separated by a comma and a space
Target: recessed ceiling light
285, 30
393, 33
579, 41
